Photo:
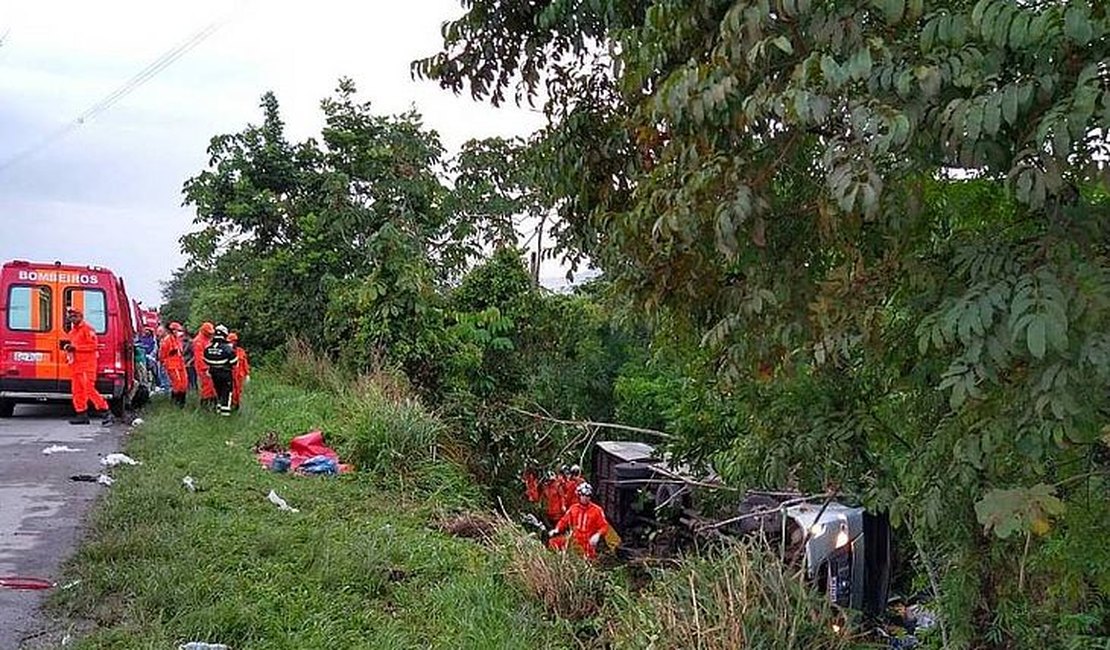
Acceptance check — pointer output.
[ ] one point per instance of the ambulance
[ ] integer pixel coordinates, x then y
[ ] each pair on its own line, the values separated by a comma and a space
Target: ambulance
34, 298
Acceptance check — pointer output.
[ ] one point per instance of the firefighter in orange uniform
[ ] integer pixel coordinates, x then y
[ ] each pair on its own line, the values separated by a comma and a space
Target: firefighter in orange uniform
172, 356
201, 341
242, 373
550, 492
586, 522
81, 350
572, 478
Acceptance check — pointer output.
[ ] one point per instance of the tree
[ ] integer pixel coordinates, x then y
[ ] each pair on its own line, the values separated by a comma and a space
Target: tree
885, 217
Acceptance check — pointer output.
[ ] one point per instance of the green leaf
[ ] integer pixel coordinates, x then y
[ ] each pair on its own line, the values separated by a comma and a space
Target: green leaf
1077, 25
893, 10
1035, 336
784, 44
992, 115
1010, 105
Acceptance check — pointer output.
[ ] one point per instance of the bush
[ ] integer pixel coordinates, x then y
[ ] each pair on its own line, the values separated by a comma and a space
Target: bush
743, 598
383, 435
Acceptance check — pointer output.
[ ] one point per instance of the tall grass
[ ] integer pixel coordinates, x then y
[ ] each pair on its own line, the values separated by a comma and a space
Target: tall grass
742, 598
564, 584
379, 425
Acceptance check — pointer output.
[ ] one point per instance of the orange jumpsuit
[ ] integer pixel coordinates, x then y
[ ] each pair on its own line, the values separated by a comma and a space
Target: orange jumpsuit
570, 488
555, 503
531, 486
584, 521
242, 369
172, 358
83, 369
207, 388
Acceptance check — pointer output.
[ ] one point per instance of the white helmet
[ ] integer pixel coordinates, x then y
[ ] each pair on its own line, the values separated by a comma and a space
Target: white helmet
575, 470
585, 490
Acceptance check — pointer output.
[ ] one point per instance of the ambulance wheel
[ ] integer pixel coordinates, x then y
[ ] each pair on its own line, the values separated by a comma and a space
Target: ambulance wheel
117, 407
7, 407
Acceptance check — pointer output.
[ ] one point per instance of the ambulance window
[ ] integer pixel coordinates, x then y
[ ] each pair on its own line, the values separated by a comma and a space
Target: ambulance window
94, 305
29, 309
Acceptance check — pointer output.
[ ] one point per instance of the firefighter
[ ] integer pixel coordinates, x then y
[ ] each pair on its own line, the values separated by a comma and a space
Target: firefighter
221, 361
553, 496
172, 356
586, 522
242, 373
572, 478
81, 353
200, 343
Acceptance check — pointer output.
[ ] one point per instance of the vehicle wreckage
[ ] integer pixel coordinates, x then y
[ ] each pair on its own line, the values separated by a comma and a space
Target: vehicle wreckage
845, 550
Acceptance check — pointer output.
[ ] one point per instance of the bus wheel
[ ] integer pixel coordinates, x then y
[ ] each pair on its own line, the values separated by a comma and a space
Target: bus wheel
7, 407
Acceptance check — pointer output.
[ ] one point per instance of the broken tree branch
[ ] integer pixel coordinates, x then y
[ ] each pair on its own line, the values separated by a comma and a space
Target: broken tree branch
590, 423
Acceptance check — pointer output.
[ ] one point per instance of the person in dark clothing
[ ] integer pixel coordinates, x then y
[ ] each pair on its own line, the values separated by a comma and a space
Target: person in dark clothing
187, 354
221, 360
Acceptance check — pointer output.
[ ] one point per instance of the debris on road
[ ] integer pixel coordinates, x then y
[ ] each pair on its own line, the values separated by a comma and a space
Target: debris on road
102, 479
57, 449
24, 583
111, 460
280, 502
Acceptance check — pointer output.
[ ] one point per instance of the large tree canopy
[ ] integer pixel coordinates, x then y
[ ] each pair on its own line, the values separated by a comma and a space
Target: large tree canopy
887, 218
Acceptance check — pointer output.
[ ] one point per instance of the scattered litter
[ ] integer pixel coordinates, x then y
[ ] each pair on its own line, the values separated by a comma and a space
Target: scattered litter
102, 479
137, 422
67, 639
280, 463
280, 502
201, 645
229, 443
301, 449
319, 465
922, 618
22, 582
189, 483
71, 584
57, 449
111, 460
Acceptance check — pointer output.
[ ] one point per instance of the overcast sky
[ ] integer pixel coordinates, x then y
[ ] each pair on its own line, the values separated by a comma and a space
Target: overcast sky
109, 192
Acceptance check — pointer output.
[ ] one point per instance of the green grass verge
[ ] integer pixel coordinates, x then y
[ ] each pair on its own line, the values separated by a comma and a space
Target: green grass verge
358, 566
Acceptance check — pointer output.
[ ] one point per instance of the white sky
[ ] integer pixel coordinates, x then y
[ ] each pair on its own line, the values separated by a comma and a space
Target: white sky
109, 193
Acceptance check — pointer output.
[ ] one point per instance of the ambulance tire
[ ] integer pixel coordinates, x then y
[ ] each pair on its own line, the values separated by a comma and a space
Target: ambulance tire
117, 407
7, 408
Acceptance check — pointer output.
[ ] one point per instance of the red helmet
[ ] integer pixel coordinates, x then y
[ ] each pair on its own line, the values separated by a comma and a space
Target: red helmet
207, 329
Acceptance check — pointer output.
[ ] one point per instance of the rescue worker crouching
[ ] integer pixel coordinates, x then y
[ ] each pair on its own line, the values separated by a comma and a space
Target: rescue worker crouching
220, 359
586, 522
81, 352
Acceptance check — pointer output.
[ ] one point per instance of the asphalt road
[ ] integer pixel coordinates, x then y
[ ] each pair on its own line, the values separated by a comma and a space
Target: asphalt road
41, 509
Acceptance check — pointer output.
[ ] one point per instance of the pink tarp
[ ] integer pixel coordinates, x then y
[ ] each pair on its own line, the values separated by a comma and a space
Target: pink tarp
302, 448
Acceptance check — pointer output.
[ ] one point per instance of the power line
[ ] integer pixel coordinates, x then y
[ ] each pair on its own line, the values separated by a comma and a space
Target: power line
166, 59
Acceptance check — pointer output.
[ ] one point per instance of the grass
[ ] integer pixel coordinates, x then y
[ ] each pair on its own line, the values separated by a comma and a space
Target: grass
360, 566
